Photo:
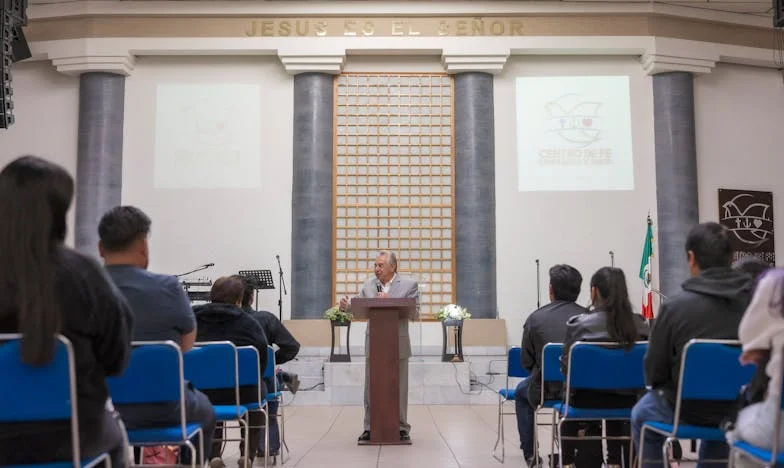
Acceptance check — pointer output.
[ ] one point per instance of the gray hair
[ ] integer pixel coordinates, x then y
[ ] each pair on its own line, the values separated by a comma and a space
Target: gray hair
391, 257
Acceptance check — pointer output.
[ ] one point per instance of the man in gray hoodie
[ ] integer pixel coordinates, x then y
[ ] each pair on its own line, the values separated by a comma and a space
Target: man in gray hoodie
709, 306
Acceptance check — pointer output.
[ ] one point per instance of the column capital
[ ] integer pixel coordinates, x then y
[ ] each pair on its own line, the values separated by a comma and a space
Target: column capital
661, 63
297, 62
119, 64
672, 55
461, 62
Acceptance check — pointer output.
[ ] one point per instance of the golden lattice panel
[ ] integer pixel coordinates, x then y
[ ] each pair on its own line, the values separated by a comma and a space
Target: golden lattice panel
394, 178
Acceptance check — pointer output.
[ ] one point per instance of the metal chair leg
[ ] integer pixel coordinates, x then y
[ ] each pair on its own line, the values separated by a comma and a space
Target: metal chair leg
282, 433
552, 440
499, 433
536, 437
665, 452
560, 443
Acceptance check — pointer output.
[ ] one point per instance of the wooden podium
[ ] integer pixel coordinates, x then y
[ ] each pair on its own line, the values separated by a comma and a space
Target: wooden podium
383, 317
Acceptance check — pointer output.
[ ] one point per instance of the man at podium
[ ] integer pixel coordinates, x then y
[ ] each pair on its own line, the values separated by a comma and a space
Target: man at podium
387, 283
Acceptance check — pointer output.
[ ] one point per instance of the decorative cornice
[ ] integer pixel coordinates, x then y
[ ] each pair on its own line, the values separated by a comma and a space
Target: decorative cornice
43, 9
296, 63
461, 62
120, 64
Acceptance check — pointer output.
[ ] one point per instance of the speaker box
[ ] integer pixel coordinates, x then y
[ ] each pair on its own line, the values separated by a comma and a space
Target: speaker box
20, 50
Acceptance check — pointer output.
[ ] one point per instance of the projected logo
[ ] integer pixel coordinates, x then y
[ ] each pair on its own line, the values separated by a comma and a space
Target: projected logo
574, 120
749, 220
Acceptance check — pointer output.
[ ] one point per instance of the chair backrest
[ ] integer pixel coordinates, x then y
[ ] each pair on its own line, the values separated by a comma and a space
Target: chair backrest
606, 366
551, 366
154, 375
269, 371
39, 393
248, 358
514, 365
551, 363
710, 370
212, 365
249, 373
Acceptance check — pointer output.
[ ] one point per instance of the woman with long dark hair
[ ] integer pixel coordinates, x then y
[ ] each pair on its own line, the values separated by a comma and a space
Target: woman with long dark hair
610, 320
46, 289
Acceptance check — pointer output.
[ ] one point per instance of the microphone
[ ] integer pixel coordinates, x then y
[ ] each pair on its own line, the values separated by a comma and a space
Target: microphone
379, 288
207, 265
277, 257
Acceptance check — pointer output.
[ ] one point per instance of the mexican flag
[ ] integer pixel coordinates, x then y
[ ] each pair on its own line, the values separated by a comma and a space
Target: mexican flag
645, 272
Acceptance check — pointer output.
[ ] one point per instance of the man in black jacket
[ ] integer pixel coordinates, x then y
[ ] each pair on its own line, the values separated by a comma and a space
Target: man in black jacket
288, 347
545, 325
223, 319
709, 306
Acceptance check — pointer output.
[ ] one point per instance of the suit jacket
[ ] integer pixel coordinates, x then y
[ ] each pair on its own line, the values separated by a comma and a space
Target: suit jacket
400, 287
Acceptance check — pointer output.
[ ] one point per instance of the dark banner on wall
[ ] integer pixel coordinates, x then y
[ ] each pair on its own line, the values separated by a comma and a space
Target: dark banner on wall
749, 217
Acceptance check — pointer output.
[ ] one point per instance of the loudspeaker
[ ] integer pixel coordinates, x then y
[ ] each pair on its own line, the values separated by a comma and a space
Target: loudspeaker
20, 50
778, 14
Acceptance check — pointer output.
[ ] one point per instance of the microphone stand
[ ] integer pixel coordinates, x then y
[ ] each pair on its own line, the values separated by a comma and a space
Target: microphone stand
282, 289
203, 267
537, 285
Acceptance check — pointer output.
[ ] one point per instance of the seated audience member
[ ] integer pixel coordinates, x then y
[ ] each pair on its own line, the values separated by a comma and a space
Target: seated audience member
545, 325
611, 320
224, 320
161, 312
752, 266
45, 289
288, 347
756, 389
762, 334
709, 306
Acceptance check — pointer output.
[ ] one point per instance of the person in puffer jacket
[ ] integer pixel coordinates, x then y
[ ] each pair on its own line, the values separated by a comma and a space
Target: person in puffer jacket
224, 320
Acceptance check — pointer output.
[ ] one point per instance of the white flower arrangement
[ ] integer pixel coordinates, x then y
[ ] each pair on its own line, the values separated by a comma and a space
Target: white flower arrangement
453, 312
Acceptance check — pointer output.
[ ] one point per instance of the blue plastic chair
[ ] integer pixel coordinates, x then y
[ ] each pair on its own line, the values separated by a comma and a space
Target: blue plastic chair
514, 368
214, 365
42, 393
276, 394
551, 373
155, 375
620, 370
250, 374
766, 457
709, 371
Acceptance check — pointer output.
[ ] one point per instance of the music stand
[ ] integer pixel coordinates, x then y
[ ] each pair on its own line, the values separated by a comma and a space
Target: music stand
259, 279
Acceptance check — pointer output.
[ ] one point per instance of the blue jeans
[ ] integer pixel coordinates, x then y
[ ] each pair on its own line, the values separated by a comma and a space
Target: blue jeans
654, 407
525, 419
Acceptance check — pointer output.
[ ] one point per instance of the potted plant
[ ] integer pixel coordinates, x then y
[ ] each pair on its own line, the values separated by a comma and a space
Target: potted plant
452, 314
337, 316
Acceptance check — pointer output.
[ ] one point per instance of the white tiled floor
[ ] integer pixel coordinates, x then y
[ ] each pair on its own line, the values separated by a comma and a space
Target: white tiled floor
443, 436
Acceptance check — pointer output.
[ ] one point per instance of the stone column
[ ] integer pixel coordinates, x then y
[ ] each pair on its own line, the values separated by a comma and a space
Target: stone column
311, 214
474, 152
676, 174
99, 155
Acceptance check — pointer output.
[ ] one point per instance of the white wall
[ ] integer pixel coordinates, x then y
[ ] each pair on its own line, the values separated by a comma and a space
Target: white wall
739, 112
578, 228
46, 105
234, 228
